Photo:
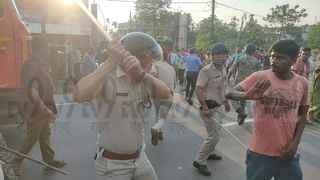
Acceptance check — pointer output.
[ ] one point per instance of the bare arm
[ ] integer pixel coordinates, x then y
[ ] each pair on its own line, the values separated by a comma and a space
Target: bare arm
87, 86
290, 149
302, 119
159, 90
236, 93
233, 69
253, 93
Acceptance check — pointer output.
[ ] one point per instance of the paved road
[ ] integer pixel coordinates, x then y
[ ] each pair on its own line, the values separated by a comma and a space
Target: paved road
74, 140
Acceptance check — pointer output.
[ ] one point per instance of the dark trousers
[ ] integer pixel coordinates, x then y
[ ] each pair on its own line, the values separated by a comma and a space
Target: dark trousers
192, 77
262, 167
180, 75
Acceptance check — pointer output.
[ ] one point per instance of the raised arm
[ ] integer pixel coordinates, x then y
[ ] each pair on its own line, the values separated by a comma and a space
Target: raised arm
86, 88
233, 69
158, 89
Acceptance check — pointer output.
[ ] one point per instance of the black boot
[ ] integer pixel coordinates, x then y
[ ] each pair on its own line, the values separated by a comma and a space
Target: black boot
203, 169
241, 118
214, 157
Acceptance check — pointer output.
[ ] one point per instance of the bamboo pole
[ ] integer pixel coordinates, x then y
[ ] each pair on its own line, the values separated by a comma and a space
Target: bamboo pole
33, 160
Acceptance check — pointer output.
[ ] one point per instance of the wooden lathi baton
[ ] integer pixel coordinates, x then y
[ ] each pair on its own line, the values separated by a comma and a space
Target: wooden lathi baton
230, 133
33, 160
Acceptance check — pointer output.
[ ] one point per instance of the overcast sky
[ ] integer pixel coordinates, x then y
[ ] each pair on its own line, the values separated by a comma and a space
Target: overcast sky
119, 11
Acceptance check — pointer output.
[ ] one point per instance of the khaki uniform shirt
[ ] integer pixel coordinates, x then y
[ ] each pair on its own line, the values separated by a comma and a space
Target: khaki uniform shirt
120, 114
164, 72
214, 82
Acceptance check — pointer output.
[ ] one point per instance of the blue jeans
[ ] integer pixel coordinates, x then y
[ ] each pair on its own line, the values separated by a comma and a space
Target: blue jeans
262, 167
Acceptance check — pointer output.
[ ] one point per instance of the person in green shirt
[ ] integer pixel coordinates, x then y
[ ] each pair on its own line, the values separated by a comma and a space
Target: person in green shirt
181, 67
314, 109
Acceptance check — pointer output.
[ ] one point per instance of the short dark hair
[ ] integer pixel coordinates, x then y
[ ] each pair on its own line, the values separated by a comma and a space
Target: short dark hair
250, 49
306, 49
288, 47
192, 51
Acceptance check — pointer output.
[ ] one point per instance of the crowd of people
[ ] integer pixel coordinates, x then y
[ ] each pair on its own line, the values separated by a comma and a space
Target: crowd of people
137, 71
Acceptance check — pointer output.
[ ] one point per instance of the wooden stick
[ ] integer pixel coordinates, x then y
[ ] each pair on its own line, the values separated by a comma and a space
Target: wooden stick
33, 160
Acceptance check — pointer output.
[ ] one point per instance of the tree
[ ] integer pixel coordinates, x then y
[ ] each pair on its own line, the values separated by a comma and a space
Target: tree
203, 37
253, 33
285, 16
234, 23
191, 30
148, 12
203, 41
313, 40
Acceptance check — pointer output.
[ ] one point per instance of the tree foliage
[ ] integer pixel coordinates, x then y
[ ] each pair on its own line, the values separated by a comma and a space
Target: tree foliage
203, 41
222, 32
285, 16
253, 33
313, 40
153, 13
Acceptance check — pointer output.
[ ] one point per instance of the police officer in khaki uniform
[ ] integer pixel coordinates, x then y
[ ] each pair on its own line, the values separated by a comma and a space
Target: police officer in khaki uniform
120, 95
210, 91
167, 74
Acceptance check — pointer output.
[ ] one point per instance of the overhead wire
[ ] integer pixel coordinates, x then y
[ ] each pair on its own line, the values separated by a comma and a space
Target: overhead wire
197, 2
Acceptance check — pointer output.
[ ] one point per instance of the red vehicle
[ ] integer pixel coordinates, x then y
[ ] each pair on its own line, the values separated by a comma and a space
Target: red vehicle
15, 48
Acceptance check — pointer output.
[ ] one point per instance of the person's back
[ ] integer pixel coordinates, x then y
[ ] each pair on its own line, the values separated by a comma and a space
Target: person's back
180, 63
164, 72
246, 66
266, 62
173, 59
37, 106
193, 62
35, 75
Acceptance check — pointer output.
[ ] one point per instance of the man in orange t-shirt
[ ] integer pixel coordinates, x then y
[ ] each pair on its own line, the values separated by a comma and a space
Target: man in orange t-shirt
279, 115
302, 65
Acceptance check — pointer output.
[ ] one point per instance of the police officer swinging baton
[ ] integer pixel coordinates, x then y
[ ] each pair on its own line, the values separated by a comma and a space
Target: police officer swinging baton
32, 159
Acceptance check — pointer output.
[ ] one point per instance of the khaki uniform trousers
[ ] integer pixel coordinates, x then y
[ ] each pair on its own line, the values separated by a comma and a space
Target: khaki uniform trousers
135, 169
210, 142
38, 130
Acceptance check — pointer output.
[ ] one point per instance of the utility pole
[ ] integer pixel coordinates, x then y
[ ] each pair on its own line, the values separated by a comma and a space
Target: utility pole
94, 30
44, 36
244, 17
130, 22
212, 20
